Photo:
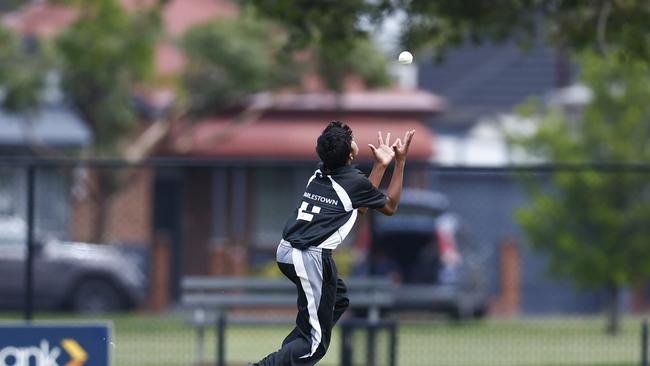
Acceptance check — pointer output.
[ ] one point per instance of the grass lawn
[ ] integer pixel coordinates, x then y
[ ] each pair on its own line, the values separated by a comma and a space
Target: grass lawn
142, 339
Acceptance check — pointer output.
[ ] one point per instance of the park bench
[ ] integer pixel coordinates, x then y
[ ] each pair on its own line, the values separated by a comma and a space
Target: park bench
219, 301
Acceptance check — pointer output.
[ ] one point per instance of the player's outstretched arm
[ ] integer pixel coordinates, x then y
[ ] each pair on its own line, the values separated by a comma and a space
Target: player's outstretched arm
396, 181
383, 155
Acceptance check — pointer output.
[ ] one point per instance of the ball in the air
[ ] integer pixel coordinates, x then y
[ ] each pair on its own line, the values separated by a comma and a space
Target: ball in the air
405, 58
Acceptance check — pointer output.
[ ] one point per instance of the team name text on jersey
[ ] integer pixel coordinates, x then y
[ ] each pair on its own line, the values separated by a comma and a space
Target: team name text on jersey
318, 198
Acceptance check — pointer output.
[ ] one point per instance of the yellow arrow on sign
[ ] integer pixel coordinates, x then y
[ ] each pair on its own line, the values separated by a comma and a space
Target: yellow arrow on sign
78, 355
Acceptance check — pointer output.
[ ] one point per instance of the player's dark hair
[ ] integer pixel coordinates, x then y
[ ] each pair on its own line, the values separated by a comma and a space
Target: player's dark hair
334, 145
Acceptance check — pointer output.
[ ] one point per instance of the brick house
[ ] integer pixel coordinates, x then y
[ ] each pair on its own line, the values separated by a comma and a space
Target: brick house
240, 203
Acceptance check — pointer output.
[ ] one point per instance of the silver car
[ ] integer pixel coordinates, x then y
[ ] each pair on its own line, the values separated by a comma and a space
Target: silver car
68, 275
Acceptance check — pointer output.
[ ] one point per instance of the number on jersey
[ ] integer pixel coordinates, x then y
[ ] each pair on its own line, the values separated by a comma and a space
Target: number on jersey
304, 215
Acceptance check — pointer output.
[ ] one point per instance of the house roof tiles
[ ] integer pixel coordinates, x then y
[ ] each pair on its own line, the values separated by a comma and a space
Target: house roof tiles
490, 79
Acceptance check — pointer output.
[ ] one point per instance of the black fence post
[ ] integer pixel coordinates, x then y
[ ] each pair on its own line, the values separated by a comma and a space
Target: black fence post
392, 358
644, 342
221, 338
371, 343
29, 265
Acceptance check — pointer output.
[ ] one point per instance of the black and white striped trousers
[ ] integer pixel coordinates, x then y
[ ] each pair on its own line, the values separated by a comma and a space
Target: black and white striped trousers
322, 299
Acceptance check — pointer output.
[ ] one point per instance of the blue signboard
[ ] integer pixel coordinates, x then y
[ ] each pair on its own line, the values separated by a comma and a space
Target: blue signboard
54, 345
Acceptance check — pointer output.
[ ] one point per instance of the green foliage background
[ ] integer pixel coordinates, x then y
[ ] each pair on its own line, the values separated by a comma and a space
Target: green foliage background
593, 223
618, 26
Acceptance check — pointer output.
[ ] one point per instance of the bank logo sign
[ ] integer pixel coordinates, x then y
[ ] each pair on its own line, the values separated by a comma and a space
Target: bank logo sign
54, 345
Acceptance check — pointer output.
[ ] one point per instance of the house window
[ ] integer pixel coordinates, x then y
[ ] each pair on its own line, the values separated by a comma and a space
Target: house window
277, 193
11, 196
51, 205
12, 225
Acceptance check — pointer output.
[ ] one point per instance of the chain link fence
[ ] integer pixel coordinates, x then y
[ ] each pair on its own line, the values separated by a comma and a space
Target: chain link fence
113, 240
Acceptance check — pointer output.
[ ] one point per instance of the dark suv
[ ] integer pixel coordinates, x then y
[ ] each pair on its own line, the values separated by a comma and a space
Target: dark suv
79, 276
426, 251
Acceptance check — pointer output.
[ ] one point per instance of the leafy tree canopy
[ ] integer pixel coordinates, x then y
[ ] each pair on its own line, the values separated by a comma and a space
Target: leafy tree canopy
613, 25
230, 59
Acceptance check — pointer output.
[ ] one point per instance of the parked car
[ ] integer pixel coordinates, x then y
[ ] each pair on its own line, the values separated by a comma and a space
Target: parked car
68, 275
426, 250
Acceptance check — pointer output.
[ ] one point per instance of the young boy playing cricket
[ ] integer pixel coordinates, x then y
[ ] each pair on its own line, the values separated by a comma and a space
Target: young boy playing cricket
333, 197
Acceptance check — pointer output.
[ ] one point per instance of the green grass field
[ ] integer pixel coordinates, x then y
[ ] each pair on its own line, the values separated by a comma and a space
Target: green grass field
143, 339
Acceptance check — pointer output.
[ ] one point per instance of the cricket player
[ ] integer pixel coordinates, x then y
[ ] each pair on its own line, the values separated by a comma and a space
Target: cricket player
333, 197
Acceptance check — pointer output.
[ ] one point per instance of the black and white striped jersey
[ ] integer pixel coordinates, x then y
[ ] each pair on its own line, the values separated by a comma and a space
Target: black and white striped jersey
329, 208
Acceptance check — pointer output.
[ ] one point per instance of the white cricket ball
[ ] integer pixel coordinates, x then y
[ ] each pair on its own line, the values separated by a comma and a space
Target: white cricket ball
405, 58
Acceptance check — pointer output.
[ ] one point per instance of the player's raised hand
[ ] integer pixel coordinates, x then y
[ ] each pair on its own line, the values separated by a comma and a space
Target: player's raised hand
383, 153
402, 148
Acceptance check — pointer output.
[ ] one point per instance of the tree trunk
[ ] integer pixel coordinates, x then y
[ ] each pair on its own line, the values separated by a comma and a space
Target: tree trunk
613, 311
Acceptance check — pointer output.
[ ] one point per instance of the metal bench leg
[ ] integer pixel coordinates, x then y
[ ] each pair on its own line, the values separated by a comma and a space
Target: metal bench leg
200, 338
374, 315
346, 344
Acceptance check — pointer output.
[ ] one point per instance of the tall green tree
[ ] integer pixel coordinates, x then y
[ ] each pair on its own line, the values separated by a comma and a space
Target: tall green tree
100, 57
593, 224
613, 25
103, 56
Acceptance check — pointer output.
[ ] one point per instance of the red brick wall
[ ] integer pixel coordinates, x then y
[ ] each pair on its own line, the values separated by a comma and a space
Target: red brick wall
129, 210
